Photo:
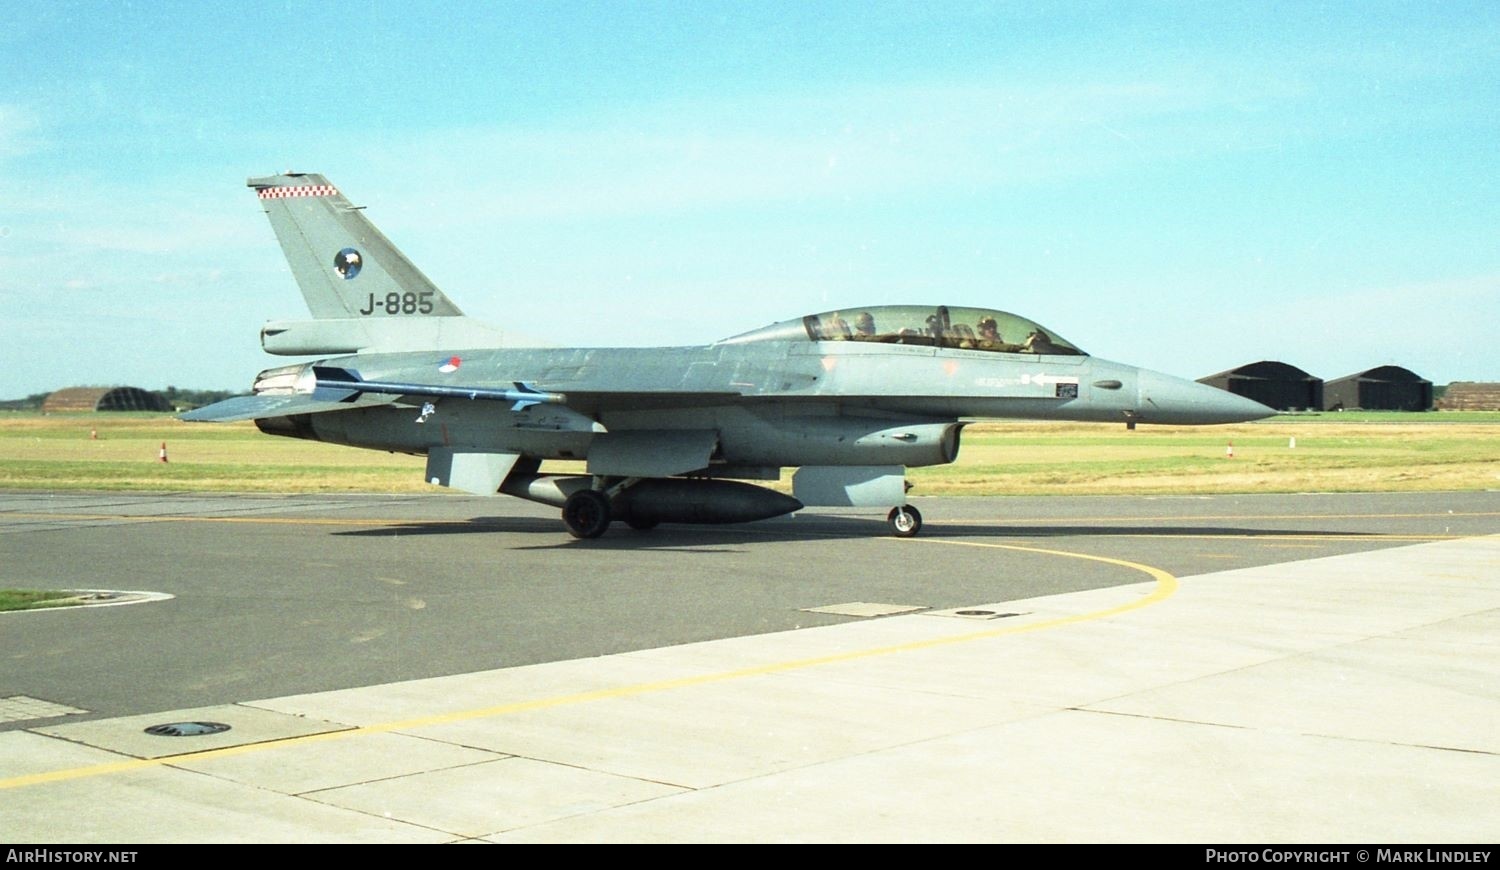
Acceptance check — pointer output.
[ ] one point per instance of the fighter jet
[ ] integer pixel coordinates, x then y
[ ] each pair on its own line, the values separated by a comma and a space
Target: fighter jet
849, 398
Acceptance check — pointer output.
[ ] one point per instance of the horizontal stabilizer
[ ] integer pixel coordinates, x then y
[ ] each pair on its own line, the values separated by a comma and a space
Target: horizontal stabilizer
261, 406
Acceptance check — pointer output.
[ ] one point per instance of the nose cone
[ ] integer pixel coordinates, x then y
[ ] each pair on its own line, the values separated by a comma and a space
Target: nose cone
1165, 399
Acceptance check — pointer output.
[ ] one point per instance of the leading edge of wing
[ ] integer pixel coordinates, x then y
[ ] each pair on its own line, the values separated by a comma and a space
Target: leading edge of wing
260, 406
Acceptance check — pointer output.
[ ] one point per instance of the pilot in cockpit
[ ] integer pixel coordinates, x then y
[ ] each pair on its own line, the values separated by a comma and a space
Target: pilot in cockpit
935, 326
1039, 342
989, 332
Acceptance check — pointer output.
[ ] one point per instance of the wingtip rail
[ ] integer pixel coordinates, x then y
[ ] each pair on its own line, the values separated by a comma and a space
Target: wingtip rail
328, 382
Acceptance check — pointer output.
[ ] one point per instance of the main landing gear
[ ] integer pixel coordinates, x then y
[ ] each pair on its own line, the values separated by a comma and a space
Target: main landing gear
905, 521
586, 513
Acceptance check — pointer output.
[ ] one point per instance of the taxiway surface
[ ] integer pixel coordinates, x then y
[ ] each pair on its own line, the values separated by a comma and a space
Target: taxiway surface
278, 595
420, 669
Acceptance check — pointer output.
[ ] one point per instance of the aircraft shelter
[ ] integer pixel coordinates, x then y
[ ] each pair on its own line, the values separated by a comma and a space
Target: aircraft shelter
1384, 388
75, 399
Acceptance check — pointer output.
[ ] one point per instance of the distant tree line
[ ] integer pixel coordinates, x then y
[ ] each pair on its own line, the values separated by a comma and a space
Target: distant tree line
32, 402
177, 398
193, 398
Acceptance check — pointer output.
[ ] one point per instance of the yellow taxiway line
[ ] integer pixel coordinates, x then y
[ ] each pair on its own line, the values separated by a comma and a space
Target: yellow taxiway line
1165, 586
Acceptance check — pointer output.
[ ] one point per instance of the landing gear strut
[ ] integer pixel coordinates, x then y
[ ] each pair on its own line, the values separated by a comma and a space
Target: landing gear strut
586, 513
905, 521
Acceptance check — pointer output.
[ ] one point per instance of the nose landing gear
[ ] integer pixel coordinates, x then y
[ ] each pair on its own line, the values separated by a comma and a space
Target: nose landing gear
905, 521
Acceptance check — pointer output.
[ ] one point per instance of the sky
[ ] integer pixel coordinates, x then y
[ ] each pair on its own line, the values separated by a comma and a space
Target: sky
1179, 185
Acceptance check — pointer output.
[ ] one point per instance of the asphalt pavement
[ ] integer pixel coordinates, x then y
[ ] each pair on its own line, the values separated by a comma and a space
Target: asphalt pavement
431, 669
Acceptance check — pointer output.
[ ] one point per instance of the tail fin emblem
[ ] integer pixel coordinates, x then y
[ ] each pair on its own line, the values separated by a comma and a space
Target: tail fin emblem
347, 263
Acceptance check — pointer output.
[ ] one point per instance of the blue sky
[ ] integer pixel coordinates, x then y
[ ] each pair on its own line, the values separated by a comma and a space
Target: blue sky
1184, 186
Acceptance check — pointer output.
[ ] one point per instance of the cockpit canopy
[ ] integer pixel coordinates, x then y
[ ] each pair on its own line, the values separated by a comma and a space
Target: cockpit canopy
926, 325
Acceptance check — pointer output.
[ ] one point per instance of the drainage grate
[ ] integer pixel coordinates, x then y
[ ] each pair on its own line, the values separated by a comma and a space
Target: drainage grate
187, 729
976, 613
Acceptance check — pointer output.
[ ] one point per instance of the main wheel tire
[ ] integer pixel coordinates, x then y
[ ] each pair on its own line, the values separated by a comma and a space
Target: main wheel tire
905, 521
641, 525
586, 513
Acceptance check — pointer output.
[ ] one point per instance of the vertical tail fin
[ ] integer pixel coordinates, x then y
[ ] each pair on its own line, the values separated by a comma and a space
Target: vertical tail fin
345, 267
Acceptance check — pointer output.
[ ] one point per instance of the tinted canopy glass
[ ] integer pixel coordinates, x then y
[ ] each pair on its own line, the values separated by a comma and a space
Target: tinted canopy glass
932, 326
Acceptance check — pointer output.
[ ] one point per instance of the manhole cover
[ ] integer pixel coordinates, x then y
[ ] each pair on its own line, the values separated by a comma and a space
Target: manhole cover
187, 729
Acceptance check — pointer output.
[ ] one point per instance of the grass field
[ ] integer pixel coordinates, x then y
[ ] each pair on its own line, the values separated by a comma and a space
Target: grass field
1352, 451
30, 599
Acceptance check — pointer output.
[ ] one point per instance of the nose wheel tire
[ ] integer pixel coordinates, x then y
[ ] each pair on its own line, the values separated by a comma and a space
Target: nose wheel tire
905, 521
586, 514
